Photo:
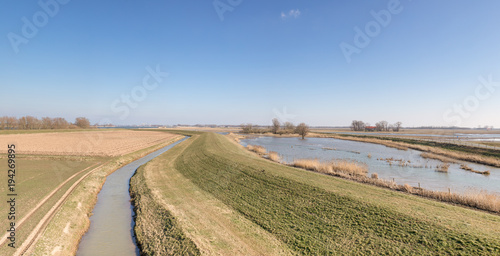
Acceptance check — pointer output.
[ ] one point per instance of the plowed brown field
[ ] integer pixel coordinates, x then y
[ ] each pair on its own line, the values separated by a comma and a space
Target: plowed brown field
92, 143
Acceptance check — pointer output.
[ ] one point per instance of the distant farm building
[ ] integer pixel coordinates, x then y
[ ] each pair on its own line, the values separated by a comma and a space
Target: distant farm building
370, 128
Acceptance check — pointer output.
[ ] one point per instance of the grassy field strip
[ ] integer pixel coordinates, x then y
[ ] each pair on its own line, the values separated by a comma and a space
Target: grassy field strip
343, 217
215, 228
28, 215
63, 233
36, 232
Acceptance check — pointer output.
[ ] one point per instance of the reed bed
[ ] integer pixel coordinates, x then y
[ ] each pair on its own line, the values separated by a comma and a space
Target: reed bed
332, 167
441, 158
274, 156
467, 168
257, 149
443, 167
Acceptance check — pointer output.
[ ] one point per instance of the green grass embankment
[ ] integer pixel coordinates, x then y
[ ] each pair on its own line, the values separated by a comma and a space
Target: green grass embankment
321, 215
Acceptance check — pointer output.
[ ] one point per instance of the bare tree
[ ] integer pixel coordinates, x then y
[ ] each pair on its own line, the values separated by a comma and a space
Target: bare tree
47, 123
382, 126
397, 126
302, 129
246, 128
60, 123
289, 127
22, 123
3, 122
32, 123
11, 122
276, 126
358, 125
82, 122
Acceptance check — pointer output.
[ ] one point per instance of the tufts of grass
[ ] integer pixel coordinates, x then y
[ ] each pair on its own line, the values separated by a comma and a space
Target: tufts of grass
467, 168
257, 149
274, 156
443, 167
335, 166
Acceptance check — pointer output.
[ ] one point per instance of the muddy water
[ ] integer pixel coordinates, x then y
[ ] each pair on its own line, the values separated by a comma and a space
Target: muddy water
419, 170
111, 225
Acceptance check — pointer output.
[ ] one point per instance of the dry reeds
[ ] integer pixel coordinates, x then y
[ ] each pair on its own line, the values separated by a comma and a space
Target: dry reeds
443, 167
467, 168
438, 157
274, 156
257, 149
336, 166
375, 175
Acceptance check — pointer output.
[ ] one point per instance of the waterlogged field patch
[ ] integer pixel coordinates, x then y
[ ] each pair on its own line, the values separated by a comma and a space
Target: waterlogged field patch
92, 143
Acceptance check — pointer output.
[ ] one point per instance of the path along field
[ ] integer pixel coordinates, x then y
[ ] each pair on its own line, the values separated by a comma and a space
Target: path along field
298, 212
46, 172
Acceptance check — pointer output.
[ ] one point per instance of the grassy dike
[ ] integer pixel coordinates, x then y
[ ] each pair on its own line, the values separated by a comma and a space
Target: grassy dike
315, 214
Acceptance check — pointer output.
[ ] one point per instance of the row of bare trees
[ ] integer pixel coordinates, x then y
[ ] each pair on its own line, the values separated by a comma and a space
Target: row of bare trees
277, 128
382, 126
33, 123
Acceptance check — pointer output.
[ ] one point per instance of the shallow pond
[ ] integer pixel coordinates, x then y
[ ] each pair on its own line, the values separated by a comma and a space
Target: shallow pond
374, 155
111, 229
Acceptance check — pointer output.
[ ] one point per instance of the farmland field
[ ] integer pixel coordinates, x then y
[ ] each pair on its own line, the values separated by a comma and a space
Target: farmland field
51, 165
94, 143
304, 212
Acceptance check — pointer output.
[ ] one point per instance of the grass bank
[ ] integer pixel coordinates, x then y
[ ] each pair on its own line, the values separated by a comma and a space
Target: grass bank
157, 231
317, 214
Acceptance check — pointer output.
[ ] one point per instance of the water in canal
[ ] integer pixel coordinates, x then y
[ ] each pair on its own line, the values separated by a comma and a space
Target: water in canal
111, 229
326, 149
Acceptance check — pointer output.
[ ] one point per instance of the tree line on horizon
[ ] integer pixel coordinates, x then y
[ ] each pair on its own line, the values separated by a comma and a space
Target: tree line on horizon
382, 126
301, 129
33, 123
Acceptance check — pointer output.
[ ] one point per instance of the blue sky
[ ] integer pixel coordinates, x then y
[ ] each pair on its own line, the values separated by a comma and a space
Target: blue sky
264, 59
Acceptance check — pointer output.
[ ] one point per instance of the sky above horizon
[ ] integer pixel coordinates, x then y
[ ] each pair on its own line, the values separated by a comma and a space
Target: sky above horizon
325, 63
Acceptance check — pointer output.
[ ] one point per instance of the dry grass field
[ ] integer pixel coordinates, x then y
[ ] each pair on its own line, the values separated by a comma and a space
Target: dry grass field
94, 143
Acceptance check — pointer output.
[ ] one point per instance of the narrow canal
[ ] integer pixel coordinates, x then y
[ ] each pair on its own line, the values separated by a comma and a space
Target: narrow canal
111, 229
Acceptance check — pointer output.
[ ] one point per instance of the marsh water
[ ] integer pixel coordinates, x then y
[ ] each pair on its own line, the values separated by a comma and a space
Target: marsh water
417, 169
111, 229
